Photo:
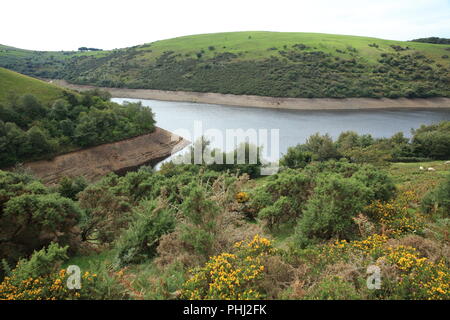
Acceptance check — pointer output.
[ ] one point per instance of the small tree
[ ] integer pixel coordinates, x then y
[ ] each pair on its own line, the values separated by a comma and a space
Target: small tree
296, 158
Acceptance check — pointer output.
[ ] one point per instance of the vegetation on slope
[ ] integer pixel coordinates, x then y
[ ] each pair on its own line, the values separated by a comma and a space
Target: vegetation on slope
55, 120
199, 232
435, 40
259, 63
13, 84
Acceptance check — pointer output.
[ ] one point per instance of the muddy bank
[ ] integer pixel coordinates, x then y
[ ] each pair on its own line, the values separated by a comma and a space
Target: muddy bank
270, 102
118, 157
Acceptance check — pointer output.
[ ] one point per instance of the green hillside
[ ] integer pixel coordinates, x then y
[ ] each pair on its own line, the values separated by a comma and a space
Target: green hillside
39, 120
260, 63
13, 83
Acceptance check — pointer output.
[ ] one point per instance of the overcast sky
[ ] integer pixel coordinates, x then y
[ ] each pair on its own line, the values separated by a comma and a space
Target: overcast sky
109, 24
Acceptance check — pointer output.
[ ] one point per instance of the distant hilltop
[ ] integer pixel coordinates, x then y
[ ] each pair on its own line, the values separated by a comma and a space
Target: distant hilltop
275, 64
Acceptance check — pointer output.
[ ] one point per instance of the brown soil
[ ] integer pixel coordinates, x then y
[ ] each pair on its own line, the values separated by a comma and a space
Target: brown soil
270, 102
118, 157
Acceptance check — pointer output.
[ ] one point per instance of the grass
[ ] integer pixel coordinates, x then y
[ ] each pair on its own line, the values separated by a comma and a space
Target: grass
13, 83
255, 44
89, 262
409, 175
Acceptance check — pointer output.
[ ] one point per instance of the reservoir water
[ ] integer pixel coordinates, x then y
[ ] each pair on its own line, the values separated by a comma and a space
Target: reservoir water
294, 126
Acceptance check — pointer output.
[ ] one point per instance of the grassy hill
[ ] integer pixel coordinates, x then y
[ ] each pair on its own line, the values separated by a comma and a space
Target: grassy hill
39, 120
13, 83
260, 63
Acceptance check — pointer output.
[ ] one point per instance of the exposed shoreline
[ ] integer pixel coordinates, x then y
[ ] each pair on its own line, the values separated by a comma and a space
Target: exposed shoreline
119, 157
270, 102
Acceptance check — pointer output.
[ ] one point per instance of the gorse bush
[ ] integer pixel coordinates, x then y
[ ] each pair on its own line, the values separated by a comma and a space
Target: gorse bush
329, 212
42, 278
285, 196
31, 216
282, 198
199, 211
296, 158
140, 241
70, 187
231, 275
396, 216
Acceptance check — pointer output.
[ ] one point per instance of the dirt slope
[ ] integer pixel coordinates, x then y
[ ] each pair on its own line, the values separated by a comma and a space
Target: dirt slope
119, 157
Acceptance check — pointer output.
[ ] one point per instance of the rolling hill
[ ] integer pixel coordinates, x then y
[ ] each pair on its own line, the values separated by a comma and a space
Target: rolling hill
13, 83
257, 63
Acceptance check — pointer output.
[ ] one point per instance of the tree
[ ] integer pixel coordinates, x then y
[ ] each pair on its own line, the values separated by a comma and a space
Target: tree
432, 141
59, 110
31, 107
13, 143
321, 146
296, 158
86, 132
39, 142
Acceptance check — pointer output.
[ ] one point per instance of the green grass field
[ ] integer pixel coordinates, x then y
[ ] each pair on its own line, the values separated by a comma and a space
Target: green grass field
13, 83
255, 44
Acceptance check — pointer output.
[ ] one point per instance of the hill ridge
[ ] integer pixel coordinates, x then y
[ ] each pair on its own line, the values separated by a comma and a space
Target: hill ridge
277, 64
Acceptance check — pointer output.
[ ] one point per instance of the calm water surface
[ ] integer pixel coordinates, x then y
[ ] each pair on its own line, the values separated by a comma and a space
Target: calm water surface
295, 126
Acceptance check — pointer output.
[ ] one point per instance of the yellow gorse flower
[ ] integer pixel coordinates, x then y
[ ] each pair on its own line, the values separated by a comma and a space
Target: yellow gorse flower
230, 275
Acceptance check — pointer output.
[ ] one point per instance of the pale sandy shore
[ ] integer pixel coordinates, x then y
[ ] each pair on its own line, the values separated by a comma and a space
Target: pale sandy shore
270, 102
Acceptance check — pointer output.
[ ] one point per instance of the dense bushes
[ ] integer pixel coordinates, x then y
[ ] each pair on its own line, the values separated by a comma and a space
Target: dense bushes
432, 141
436, 40
30, 130
427, 142
200, 232
323, 198
282, 198
289, 73
31, 216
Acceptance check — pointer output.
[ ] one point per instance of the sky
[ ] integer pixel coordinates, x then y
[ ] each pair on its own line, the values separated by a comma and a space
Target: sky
109, 24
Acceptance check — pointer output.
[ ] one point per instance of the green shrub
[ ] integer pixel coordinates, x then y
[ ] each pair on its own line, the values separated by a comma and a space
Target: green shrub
277, 213
432, 141
437, 201
70, 187
329, 212
200, 212
282, 198
296, 158
140, 241
41, 278
333, 288
31, 217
